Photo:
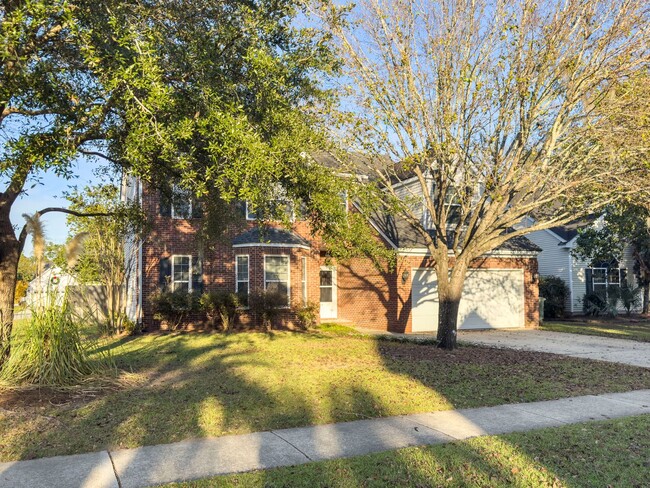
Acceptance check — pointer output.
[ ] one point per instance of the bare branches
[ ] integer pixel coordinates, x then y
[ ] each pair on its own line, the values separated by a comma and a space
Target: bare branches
497, 108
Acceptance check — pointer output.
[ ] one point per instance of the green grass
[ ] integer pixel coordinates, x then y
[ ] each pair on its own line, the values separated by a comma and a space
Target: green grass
180, 386
619, 328
608, 453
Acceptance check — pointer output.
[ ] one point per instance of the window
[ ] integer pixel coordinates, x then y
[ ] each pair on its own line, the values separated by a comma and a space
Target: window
181, 203
241, 272
181, 273
326, 285
272, 211
276, 274
600, 279
277, 205
304, 280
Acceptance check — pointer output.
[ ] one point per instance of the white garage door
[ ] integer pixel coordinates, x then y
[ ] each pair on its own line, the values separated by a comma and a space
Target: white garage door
492, 298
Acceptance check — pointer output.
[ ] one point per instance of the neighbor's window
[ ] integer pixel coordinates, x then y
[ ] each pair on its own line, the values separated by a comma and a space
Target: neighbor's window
241, 270
602, 278
276, 274
181, 203
181, 273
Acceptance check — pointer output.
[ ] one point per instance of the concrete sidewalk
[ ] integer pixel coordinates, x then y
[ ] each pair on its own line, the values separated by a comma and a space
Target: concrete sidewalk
202, 458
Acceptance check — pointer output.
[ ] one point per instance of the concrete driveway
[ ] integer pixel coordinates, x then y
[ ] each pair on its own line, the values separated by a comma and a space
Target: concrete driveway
580, 346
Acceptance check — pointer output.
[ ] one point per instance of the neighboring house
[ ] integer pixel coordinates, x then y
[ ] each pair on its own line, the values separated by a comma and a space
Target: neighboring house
49, 287
581, 277
501, 289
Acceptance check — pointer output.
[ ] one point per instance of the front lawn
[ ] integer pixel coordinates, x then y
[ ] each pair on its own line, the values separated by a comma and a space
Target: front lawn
608, 453
180, 386
618, 327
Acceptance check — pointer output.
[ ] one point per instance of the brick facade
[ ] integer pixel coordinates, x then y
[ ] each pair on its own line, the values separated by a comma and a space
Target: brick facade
367, 297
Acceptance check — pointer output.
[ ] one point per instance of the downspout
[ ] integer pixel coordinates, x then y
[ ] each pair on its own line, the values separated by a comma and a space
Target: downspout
138, 313
570, 282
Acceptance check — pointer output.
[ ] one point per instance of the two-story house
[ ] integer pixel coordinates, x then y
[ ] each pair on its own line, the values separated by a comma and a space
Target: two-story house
501, 289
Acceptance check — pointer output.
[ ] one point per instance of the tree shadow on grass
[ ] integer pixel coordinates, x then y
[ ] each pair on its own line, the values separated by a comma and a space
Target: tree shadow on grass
202, 385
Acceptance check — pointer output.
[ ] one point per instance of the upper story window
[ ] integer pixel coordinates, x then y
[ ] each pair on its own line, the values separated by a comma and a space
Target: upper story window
180, 204
273, 211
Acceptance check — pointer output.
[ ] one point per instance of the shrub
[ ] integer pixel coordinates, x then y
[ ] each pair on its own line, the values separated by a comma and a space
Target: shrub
174, 307
130, 327
555, 291
630, 298
221, 305
593, 304
50, 352
307, 314
266, 307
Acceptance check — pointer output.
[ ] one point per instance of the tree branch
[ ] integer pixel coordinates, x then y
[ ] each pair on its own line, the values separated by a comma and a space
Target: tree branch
23, 232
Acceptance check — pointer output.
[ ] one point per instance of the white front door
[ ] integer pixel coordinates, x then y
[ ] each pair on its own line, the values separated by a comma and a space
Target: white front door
328, 293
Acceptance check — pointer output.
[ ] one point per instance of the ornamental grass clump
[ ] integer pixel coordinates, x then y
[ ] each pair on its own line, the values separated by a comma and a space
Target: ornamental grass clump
50, 352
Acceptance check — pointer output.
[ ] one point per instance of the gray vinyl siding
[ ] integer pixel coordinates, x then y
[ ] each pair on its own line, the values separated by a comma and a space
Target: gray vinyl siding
553, 260
412, 191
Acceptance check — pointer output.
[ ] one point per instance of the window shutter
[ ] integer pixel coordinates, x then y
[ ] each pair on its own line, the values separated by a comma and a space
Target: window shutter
623, 275
165, 205
590, 281
197, 209
197, 275
165, 273
240, 208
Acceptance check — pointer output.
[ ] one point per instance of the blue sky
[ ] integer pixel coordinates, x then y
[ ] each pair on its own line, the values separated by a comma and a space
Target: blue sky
49, 192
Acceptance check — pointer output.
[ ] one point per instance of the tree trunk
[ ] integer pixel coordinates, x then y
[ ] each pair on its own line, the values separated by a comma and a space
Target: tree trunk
9, 256
646, 298
449, 294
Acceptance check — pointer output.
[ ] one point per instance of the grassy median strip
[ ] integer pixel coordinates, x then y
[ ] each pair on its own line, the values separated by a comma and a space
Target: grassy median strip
181, 386
608, 453
621, 328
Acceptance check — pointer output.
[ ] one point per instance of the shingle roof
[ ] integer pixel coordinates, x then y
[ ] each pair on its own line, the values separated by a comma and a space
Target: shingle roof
405, 236
269, 235
357, 162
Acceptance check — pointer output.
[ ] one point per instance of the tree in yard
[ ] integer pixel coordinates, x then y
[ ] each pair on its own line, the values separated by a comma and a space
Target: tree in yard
104, 256
495, 111
623, 225
218, 95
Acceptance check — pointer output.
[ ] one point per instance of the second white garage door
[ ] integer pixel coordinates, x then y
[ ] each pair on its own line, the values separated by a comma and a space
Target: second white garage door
492, 298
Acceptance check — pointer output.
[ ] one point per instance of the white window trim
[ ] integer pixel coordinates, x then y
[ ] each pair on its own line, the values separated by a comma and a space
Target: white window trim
248, 272
607, 283
288, 273
189, 282
176, 188
303, 280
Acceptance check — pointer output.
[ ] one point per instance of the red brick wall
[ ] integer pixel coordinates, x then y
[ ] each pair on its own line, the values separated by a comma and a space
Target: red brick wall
178, 236
366, 296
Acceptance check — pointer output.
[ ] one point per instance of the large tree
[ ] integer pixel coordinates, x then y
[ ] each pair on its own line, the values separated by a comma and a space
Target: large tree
494, 110
218, 95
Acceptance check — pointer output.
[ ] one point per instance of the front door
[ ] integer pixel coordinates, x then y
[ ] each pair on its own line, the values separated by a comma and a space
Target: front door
327, 293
